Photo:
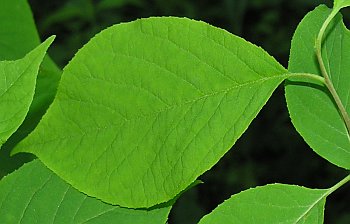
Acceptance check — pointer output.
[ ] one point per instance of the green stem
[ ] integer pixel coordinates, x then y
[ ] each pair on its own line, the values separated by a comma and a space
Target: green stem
338, 185
310, 76
327, 80
340, 105
323, 30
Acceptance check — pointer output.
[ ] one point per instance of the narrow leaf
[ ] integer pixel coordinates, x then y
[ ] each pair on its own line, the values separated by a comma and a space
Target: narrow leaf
17, 85
146, 107
311, 108
18, 36
34, 194
271, 204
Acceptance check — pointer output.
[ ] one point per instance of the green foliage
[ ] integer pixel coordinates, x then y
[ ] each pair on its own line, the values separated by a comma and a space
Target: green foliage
275, 203
338, 4
19, 36
310, 105
174, 91
25, 203
16, 21
146, 107
17, 83
34, 194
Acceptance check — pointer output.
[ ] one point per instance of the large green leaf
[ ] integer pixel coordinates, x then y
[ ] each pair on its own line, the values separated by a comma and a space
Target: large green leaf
146, 107
271, 204
18, 36
311, 108
17, 85
34, 194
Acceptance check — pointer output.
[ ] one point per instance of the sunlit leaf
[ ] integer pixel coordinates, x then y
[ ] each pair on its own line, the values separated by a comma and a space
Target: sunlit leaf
341, 3
17, 85
146, 107
18, 36
271, 204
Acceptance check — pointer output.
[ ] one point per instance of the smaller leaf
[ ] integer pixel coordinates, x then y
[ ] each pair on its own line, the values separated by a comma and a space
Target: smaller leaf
34, 194
17, 85
275, 203
339, 4
311, 108
19, 36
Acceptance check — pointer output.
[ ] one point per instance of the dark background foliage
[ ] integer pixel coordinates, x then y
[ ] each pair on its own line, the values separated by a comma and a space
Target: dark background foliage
271, 150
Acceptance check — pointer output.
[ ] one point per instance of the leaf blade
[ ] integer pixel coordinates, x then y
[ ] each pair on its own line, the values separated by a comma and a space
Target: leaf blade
35, 194
339, 4
274, 203
311, 107
17, 37
18, 79
163, 93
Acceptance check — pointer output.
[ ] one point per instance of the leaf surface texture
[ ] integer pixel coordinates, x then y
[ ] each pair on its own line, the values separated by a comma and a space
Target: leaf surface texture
34, 194
341, 3
17, 85
271, 204
312, 110
146, 107
18, 36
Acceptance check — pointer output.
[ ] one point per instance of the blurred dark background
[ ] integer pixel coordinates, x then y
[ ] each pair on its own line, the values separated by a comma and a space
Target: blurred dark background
271, 150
